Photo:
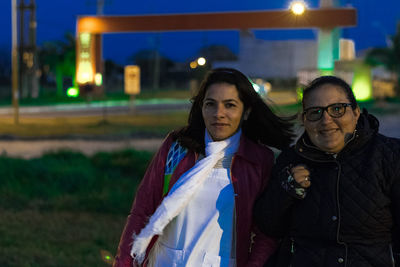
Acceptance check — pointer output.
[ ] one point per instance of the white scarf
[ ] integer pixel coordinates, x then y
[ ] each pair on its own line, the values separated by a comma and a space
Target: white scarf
182, 192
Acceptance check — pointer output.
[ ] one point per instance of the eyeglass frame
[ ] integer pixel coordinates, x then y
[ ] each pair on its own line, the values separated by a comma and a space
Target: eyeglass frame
325, 109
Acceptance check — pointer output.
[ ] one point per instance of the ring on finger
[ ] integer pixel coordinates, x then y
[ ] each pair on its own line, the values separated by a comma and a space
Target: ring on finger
307, 179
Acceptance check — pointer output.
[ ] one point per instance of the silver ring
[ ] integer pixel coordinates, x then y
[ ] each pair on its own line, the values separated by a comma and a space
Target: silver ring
307, 179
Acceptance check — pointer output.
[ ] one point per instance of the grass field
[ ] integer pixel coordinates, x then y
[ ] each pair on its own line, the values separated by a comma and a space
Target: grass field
66, 209
32, 238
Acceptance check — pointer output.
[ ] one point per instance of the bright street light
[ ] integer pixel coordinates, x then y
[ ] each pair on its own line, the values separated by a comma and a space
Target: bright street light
201, 61
297, 7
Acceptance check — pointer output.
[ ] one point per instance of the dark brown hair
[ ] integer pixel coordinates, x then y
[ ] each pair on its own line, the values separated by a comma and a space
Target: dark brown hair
320, 81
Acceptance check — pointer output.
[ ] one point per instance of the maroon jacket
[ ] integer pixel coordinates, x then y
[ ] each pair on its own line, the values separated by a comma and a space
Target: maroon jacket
250, 171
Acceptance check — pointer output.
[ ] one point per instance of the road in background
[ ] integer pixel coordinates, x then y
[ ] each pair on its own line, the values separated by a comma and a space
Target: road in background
96, 108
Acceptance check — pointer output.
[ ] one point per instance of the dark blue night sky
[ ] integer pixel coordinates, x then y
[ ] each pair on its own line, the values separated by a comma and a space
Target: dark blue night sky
376, 21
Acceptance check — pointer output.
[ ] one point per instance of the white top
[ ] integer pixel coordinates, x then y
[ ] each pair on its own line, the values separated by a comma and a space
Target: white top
203, 233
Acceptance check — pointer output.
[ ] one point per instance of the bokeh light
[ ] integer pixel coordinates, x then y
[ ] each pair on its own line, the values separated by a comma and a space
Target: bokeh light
193, 64
298, 7
73, 92
201, 61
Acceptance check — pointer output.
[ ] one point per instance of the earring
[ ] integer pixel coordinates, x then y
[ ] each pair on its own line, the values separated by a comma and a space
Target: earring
246, 115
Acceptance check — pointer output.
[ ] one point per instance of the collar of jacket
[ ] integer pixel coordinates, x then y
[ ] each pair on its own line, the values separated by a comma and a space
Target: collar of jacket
367, 127
247, 149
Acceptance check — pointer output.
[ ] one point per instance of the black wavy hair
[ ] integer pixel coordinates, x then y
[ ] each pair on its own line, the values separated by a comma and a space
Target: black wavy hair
322, 80
262, 125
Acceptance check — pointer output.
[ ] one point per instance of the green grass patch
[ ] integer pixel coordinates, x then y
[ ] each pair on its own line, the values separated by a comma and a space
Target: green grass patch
66, 209
32, 238
67, 180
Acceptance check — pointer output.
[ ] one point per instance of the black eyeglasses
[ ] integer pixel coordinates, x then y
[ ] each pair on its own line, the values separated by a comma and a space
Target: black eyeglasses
335, 110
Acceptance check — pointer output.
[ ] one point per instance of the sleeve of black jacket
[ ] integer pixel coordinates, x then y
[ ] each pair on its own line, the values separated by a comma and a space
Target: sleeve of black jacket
272, 210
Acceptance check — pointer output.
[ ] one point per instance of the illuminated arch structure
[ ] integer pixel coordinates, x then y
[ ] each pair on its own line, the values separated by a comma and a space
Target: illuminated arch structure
90, 29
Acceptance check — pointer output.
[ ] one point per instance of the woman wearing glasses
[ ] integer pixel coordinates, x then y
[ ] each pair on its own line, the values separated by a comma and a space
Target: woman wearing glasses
334, 197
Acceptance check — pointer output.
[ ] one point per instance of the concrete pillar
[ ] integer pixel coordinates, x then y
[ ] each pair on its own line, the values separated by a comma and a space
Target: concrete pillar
328, 42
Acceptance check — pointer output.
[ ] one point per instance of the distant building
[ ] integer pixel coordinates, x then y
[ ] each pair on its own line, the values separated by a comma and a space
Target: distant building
273, 59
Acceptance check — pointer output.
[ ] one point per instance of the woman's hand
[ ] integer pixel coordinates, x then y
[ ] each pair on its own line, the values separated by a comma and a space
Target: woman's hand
301, 175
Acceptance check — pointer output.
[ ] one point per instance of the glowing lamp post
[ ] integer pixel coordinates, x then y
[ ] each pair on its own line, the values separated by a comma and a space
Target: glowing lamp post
85, 70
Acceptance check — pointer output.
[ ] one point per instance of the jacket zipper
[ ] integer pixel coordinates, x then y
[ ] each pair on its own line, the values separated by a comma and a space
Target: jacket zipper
391, 254
339, 213
292, 249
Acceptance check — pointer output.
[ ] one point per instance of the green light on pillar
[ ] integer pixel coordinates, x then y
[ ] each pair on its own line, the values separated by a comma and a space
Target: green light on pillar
85, 39
362, 85
98, 79
73, 92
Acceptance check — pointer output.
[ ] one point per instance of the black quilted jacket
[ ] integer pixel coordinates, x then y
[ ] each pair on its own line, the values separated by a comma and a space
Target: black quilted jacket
351, 212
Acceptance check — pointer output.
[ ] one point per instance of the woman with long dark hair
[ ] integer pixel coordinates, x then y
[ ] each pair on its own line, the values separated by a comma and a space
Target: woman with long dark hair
194, 205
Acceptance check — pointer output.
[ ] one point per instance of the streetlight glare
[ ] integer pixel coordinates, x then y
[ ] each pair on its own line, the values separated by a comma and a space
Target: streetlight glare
298, 7
201, 61
73, 92
193, 64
